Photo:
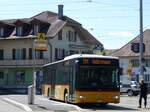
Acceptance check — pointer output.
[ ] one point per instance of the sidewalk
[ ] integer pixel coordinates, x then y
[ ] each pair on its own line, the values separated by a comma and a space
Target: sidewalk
41, 104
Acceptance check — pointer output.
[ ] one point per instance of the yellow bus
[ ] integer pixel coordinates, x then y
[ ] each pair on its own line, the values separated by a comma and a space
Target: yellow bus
83, 78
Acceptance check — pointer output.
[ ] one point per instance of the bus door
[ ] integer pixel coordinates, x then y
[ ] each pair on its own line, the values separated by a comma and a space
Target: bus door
71, 80
53, 81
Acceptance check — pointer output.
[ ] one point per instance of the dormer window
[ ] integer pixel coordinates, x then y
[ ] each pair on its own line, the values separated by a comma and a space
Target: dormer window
1, 32
19, 30
36, 29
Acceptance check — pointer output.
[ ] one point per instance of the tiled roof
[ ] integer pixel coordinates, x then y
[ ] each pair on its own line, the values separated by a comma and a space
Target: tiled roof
55, 25
109, 51
5, 23
126, 51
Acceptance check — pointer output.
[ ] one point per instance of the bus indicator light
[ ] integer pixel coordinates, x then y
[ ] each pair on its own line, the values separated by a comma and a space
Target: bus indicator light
85, 61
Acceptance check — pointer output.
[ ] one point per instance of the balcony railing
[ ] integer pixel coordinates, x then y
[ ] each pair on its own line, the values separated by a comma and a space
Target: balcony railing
23, 63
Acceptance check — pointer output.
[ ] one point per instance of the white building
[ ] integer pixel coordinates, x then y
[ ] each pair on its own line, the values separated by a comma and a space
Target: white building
130, 60
64, 35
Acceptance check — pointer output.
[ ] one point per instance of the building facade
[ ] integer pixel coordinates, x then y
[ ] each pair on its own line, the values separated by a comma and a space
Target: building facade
129, 60
64, 37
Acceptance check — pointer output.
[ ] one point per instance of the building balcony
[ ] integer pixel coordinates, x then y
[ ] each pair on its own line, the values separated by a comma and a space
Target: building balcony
23, 63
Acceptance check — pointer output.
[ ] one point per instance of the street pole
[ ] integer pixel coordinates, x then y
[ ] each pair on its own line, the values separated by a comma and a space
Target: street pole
32, 88
141, 75
34, 77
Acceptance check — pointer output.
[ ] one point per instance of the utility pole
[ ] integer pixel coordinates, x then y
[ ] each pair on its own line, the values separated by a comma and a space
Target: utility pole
141, 75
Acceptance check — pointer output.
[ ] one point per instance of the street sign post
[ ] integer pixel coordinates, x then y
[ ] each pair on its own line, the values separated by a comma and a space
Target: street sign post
39, 44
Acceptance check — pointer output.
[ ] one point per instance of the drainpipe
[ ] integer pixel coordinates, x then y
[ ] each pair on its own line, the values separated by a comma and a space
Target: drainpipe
50, 50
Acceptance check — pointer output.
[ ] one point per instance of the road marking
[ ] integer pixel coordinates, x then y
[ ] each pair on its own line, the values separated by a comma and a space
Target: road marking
19, 105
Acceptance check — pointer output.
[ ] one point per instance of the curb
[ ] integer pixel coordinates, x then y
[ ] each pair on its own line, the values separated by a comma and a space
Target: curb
19, 105
75, 107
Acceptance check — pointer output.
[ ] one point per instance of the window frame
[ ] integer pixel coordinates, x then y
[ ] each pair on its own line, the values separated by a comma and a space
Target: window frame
1, 75
19, 30
1, 54
1, 32
36, 29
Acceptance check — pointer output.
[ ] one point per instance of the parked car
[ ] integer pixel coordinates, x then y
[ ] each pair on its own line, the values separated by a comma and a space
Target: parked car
132, 88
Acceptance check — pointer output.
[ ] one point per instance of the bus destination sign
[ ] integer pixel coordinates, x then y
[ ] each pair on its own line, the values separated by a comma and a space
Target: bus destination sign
86, 61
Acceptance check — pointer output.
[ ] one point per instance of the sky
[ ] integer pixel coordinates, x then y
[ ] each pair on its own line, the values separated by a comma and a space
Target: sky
113, 22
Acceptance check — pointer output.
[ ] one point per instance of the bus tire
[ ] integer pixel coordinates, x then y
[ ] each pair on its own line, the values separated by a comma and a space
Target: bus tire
130, 92
65, 96
48, 94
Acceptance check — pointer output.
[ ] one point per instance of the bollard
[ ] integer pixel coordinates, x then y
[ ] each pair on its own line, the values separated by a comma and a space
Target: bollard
31, 94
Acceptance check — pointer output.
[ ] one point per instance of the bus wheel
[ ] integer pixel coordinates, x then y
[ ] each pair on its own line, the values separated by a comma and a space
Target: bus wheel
130, 92
48, 94
66, 97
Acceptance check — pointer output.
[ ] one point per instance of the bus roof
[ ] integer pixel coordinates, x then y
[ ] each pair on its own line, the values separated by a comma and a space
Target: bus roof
89, 56
74, 56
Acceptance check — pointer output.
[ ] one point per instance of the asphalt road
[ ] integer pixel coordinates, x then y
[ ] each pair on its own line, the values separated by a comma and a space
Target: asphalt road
127, 104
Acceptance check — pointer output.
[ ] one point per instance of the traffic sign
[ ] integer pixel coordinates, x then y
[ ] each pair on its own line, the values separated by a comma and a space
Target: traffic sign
135, 47
40, 43
41, 36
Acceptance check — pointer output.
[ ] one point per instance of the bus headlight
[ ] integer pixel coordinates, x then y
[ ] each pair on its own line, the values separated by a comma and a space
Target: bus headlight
116, 97
81, 97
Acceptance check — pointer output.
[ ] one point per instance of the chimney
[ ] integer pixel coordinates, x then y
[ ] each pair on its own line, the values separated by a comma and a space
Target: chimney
60, 11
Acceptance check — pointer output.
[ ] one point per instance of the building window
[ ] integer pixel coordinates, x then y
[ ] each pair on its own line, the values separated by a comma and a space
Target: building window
63, 53
19, 30
75, 36
35, 29
59, 53
23, 53
1, 75
134, 62
20, 77
39, 54
1, 32
72, 36
30, 53
13, 54
147, 62
56, 53
73, 52
60, 35
1, 54
19, 54
147, 77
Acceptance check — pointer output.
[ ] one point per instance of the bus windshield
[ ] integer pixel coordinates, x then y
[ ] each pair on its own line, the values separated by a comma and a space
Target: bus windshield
103, 78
